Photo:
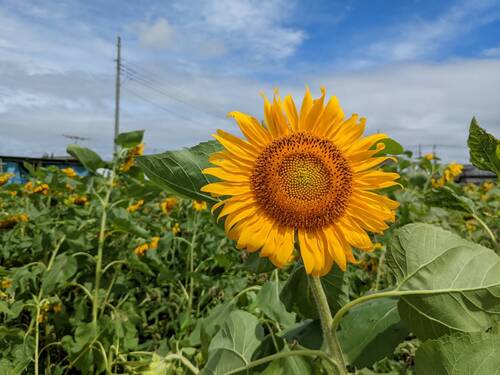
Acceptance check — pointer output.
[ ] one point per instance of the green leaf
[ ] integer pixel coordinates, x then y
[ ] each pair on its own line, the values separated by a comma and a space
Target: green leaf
179, 172
257, 264
296, 294
233, 346
121, 221
459, 354
371, 331
391, 147
294, 365
90, 160
211, 324
129, 139
63, 268
307, 333
445, 197
269, 302
448, 284
483, 148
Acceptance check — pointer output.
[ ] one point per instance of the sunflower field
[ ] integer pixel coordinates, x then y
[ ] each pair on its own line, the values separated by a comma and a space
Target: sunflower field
156, 264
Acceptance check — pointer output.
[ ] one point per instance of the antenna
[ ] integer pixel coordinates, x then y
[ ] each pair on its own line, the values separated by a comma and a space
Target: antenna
75, 138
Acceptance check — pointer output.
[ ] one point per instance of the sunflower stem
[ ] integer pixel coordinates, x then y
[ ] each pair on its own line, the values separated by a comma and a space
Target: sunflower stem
329, 335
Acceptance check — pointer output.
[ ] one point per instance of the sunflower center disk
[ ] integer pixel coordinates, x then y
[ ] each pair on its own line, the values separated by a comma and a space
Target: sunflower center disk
302, 181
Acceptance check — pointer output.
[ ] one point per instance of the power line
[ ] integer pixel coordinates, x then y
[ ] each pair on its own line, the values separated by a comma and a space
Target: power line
133, 74
158, 105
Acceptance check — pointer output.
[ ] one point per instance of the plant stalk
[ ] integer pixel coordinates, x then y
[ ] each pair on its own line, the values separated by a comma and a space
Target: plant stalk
100, 250
329, 334
486, 227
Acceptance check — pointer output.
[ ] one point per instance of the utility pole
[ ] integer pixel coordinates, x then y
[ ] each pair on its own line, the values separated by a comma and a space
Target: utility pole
117, 92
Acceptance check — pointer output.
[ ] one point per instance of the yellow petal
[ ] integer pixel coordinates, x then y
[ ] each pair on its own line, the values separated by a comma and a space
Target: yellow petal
336, 247
252, 129
306, 253
291, 112
224, 175
236, 145
307, 104
354, 234
226, 188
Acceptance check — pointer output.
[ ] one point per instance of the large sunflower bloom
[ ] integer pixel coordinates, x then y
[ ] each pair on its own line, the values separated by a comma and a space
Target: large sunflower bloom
305, 175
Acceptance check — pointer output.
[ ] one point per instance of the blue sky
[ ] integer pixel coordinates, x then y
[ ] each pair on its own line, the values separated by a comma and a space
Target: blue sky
418, 70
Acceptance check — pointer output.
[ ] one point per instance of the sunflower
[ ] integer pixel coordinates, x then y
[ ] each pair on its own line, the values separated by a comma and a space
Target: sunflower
305, 176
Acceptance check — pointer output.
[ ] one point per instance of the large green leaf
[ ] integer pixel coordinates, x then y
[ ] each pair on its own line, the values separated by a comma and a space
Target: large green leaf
233, 346
296, 294
446, 284
483, 148
445, 197
90, 160
179, 172
269, 302
129, 139
460, 354
371, 332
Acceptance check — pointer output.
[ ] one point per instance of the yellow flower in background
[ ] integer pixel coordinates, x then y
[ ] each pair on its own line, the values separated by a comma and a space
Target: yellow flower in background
135, 206
470, 188
305, 174
471, 225
199, 205
488, 185
12, 220
455, 169
136, 151
176, 229
168, 204
5, 283
4, 178
70, 172
154, 243
57, 308
437, 183
22, 218
79, 200
429, 157
31, 188
377, 246
141, 249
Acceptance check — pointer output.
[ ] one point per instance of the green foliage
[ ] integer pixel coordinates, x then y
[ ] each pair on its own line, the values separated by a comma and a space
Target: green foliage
391, 147
484, 148
296, 294
90, 160
192, 301
179, 172
129, 139
446, 197
460, 354
447, 284
371, 332
233, 346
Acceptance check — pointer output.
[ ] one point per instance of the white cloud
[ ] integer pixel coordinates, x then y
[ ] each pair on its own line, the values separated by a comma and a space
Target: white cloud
422, 38
250, 27
491, 52
158, 34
